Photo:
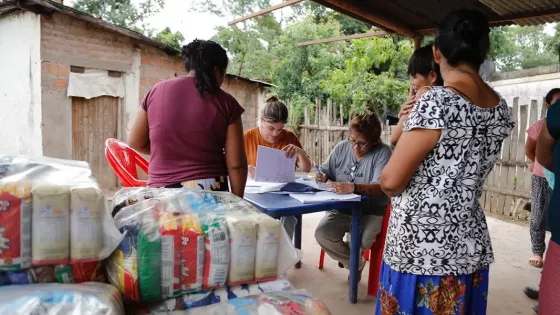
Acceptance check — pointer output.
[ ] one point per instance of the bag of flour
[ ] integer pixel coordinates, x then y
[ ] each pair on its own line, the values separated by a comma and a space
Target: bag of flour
243, 243
268, 243
87, 207
50, 225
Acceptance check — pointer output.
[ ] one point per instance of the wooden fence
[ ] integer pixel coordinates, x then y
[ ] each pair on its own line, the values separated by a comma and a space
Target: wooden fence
508, 186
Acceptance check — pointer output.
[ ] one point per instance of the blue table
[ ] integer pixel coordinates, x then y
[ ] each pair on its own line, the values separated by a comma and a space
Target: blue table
278, 206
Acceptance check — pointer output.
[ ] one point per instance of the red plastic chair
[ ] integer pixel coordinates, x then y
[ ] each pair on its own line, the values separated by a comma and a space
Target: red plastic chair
124, 160
374, 255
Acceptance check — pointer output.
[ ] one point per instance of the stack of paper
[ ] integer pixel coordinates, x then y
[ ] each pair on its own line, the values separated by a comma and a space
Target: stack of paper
324, 196
274, 167
254, 187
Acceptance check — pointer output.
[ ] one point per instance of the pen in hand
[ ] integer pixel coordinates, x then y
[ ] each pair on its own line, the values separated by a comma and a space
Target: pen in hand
317, 168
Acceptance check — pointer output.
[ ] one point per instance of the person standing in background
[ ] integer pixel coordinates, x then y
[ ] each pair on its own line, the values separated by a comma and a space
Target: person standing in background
540, 190
548, 154
270, 133
186, 125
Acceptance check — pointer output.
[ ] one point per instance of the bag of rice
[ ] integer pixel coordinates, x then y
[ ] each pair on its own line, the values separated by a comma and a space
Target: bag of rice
15, 227
268, 241
217, 251
170, 253
87, 207
243, 242
149, 255
50, 225
192, 254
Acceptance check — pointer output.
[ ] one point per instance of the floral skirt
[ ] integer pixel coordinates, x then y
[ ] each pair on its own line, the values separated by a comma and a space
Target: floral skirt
408, 294
213, 184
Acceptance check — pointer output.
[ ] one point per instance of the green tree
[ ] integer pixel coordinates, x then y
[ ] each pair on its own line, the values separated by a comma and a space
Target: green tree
553, 43
124, 13
173, 40
373, 77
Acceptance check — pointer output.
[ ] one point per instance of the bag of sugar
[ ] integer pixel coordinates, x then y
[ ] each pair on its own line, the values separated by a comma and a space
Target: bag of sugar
50, 225
87, 207
15, 227
243, 242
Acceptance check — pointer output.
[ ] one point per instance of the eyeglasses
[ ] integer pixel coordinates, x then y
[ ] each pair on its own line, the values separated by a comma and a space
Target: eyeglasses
360, 145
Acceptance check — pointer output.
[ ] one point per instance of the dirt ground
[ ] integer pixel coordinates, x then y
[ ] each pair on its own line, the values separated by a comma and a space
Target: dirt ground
508, 275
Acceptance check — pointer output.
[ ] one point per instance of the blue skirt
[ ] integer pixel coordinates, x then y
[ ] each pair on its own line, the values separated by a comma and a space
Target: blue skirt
408, 294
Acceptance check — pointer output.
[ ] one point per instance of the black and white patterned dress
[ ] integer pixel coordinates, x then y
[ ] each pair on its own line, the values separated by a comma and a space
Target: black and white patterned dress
437, 225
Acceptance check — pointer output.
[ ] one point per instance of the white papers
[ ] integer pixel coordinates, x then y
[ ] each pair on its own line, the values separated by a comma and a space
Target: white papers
274, 167
324, 196
253, 187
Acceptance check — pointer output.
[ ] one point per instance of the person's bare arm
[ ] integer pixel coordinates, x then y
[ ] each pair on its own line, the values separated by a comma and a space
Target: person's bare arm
404, 113
236, 160
411, 151
545, 149
139, 136
369, 189
304, 163
531, 149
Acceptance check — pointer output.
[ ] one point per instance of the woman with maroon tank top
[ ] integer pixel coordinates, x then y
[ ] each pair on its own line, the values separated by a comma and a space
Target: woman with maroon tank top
191, 128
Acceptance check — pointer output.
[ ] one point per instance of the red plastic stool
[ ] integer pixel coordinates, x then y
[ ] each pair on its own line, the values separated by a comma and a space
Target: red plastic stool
374, 255
124, 160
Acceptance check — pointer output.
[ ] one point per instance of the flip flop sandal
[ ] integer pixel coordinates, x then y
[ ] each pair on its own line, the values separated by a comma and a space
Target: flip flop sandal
536, 261
531, 293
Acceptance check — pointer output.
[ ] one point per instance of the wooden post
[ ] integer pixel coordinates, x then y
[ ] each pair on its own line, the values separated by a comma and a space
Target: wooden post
418, 42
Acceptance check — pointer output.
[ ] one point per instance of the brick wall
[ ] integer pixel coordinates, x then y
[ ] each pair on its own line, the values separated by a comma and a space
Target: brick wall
66, 42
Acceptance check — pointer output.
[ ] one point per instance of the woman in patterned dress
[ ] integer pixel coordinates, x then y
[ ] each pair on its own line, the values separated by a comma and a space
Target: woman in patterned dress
438, 246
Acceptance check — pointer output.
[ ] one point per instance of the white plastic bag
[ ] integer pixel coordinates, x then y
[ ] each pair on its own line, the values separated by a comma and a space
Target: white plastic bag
69, 299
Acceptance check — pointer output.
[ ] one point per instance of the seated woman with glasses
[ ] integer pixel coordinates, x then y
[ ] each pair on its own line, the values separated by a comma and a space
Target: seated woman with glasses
354, 166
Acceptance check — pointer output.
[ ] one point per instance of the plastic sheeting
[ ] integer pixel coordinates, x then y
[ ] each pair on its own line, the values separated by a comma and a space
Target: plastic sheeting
95, 83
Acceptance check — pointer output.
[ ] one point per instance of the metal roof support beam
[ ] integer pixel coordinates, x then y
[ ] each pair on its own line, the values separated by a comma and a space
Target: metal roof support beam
265, 11
368, 14
342, 38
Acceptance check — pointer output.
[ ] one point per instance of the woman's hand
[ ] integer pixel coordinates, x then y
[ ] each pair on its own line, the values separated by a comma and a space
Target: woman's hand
407, 106
342, 188
252, 171
321, 178
292, 150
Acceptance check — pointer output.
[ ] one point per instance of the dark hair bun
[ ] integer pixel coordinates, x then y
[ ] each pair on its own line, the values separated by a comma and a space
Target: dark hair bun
271, 98
463, 37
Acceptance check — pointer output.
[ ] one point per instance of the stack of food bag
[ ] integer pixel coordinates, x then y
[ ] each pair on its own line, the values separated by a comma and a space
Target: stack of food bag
54, 222
53, 299
267, 303
180, 242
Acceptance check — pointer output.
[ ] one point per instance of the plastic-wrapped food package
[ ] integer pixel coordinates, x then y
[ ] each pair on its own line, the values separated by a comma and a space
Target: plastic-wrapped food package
243, 243
267, 303
205, 298
52, 212
70, 299
15, 226
268, 244
182, 242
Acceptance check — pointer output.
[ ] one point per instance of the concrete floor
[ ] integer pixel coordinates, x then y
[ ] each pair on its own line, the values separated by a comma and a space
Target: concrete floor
508, 275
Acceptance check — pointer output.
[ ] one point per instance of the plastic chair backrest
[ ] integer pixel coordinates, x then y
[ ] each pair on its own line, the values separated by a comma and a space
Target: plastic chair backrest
376, 256
124, 160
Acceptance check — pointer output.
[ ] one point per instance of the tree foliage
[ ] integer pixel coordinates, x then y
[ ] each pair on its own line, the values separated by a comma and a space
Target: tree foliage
124, 13
173, 40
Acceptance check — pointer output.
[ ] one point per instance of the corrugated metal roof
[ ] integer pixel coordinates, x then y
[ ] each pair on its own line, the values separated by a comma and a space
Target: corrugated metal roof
421, 16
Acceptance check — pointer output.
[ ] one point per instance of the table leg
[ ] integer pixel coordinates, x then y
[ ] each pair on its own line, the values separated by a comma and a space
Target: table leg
297, 236
355, 243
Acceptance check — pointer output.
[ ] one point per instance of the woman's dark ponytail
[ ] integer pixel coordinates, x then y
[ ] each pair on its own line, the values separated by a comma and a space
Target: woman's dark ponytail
203, 57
